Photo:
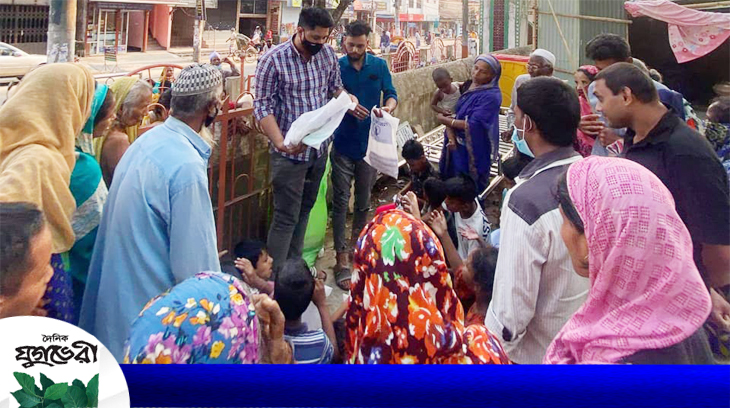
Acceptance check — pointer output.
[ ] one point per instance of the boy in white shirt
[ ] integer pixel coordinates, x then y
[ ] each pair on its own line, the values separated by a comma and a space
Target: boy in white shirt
461, 200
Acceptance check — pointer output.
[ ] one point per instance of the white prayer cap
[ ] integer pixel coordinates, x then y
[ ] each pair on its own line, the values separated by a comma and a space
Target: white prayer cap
549, 56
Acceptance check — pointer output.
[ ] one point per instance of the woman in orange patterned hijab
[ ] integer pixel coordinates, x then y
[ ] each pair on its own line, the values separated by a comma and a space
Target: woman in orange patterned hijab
402, 307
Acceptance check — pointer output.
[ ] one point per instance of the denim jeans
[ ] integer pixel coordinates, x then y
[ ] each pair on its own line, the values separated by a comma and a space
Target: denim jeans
295, 186
344, 169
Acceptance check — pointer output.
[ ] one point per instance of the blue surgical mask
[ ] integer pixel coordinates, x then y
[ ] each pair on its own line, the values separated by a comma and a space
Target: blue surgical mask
521, 144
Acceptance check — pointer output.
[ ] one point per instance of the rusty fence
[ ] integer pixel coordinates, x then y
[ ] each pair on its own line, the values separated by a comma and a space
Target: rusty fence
238, 176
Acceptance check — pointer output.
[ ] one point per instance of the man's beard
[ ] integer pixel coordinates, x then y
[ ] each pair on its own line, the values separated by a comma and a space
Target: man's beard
355, 59
211, 118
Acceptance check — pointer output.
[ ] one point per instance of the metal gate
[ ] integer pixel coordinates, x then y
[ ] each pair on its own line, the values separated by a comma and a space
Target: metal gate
25, 27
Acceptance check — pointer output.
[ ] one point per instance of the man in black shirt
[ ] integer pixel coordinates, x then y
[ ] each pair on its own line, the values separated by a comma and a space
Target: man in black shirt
681, 158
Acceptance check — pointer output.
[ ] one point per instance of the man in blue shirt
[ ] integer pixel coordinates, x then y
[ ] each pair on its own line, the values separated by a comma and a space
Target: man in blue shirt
157, 228
368, 78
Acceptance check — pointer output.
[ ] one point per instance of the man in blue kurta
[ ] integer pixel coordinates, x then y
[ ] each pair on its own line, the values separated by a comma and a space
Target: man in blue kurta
157, 228
368, 78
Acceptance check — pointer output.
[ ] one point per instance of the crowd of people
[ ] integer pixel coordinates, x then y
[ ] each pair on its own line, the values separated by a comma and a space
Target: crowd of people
613, 243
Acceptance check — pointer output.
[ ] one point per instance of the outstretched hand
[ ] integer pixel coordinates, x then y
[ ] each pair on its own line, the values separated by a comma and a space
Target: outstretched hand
469, 233
410, 204
438, 223
272, 323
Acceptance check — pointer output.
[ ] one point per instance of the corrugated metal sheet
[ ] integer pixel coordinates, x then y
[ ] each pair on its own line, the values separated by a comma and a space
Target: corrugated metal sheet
576, 31
603, 8
549, 35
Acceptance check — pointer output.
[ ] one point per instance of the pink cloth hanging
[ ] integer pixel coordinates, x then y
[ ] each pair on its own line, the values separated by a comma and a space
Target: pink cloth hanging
692, 33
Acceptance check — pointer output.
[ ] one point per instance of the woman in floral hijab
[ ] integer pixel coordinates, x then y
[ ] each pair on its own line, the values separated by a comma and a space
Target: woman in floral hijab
208, 319
402, 307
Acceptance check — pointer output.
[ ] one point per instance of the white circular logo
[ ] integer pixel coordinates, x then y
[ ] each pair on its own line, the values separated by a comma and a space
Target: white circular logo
48, 363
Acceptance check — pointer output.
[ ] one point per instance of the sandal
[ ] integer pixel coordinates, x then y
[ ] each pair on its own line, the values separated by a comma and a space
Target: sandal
342, 274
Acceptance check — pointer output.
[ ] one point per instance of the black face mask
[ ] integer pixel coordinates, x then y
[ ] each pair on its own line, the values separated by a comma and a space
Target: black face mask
312, 48
210, 118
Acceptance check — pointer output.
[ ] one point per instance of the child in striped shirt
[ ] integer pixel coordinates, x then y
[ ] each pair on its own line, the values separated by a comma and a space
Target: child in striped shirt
294, 288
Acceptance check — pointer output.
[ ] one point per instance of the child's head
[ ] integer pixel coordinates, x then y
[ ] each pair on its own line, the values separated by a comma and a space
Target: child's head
460, 193
433, 188
415, 157
442, 78
256, 253
719, 110
480, 267
293, 288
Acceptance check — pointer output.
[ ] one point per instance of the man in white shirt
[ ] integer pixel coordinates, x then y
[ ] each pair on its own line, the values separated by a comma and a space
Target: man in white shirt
535, 288
461, 200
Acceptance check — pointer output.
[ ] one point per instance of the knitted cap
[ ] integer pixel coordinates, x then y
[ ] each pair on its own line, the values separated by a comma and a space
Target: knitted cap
197, 79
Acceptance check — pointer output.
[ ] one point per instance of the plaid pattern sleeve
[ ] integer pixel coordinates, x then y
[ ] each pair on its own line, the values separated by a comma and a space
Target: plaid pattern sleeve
287, 86
266, 87
335, 83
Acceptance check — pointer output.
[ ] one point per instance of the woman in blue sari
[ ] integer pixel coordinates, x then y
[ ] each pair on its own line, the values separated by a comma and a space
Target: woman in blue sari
472, 135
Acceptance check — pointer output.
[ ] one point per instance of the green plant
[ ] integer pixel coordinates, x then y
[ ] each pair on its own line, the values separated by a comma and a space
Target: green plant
52, 395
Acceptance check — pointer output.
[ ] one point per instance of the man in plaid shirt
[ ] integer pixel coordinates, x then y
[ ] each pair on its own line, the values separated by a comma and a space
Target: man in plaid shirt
296, 77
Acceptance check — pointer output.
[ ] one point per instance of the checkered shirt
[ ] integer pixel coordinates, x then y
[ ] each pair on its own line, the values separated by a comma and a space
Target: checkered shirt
287, 86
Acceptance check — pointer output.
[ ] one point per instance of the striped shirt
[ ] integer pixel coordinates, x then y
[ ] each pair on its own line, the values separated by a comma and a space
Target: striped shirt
536, 289
288, 86
309, 346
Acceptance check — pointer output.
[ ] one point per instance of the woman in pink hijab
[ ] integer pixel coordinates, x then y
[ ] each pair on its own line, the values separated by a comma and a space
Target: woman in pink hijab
647, 301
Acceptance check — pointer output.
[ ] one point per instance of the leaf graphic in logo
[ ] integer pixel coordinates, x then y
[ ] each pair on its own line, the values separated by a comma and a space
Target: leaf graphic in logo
74, 398
80, 384
25, 400
27, 382
45, 382
54, 405
56, 391
92, 392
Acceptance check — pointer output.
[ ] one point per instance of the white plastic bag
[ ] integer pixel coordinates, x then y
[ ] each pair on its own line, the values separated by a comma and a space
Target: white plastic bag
313, 128
382, 152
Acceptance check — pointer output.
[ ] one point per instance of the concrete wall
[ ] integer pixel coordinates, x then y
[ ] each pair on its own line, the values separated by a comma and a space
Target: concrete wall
136, 29
415, 89
161, 23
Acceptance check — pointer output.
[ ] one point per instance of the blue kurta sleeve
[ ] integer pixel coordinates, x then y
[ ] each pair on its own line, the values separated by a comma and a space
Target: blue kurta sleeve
193, 243
388, 88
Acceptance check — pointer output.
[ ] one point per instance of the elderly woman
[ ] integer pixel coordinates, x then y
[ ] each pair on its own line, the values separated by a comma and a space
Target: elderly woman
208, 319
132, 97
402, 307
472, 135
647, 301
37, 133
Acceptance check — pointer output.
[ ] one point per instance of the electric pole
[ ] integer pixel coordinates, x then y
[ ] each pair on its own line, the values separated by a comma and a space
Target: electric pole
198, 30
61, 31
465, 29
396, 18
81, 16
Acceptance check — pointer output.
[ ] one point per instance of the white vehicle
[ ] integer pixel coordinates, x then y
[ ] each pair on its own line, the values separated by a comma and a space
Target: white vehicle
16, 63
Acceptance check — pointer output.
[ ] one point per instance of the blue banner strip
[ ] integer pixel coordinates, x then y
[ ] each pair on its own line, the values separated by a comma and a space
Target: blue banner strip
427, 386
